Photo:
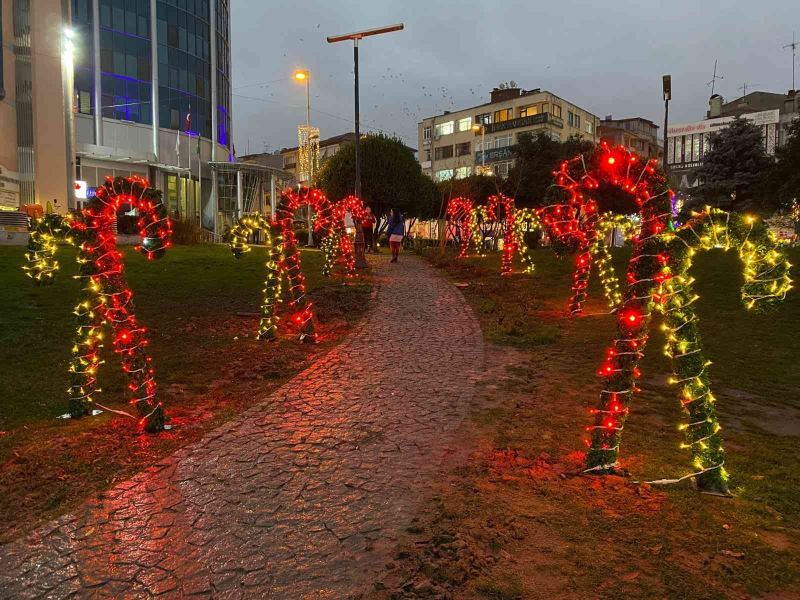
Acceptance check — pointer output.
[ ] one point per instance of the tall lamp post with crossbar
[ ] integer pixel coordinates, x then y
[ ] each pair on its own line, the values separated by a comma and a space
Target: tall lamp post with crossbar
361, 261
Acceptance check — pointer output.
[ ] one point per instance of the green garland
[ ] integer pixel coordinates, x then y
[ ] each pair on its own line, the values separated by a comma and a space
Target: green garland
240, 234
601, 256
45, 234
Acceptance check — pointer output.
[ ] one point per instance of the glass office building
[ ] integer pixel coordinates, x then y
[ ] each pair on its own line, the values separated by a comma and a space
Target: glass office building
159, 71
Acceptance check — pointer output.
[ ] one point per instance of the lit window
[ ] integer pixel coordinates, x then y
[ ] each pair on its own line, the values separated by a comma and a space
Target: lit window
462, 172
502, 115
443, 174
529, 111
444, 128
465, 124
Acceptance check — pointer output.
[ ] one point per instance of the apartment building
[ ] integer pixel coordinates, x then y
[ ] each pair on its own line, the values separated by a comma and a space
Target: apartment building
483, 138
637, 134
687, 143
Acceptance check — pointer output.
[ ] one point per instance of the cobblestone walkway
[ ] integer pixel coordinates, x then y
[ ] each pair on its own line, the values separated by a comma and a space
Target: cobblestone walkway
299, 497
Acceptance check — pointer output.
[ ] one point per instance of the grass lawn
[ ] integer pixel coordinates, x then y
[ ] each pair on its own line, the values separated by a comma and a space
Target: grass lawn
519, 522
199, 304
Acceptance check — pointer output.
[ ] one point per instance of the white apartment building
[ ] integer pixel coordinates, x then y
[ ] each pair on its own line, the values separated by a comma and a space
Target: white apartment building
457, 144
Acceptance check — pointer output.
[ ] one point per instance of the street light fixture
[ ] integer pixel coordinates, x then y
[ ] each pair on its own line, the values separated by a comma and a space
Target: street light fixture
361, 261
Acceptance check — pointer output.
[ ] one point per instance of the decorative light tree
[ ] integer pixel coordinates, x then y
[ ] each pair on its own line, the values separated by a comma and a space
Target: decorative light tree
658, 280
106, 299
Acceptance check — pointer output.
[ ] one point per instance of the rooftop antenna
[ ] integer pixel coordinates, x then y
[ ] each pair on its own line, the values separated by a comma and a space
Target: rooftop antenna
747, 85
793, 46
713, 81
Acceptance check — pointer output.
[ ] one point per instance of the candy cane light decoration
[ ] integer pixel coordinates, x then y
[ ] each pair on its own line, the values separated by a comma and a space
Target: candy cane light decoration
658, 280
459, 213
106, 300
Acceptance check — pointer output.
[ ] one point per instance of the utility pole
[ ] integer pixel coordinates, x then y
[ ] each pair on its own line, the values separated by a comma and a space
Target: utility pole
793, 46
666, 82
361, 261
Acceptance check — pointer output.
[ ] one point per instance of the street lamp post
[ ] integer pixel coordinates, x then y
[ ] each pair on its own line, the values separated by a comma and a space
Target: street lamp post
67, 85
304, 75
667, 89
361, 261
482, 129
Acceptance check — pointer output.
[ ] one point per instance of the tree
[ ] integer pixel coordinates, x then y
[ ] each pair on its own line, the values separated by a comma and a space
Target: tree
390, 178
538, 155
735, 167
784, 180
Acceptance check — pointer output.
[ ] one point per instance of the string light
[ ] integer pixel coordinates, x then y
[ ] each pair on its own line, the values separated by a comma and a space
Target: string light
459, 212
658, 280
106, 299
240, 234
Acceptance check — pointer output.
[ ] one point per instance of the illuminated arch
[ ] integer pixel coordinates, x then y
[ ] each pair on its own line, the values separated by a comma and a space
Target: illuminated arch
106, 298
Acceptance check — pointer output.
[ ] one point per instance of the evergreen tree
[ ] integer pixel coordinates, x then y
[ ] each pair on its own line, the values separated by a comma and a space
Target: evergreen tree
735, 167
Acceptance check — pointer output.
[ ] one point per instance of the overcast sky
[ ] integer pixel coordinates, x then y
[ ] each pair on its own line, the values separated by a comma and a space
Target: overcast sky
606, 57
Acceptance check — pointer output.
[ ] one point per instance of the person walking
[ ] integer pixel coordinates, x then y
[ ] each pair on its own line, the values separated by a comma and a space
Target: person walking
395, 231
368, 228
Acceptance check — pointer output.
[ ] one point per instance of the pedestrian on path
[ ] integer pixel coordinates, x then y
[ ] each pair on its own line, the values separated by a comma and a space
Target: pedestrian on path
395, 231
368, 227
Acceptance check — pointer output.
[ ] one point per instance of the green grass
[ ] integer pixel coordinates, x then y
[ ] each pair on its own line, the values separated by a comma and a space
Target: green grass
199, 304
606, 536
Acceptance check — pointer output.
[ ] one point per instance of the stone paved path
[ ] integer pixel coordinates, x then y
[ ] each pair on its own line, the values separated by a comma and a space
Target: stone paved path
299, 497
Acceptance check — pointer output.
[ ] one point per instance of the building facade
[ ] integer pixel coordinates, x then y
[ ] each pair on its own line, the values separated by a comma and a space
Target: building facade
33, 169
687, 143
152, 96
483, 138
142, 87
327, 149
636, 134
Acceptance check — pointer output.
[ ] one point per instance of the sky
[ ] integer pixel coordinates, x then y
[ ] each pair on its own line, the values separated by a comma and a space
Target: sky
605, 57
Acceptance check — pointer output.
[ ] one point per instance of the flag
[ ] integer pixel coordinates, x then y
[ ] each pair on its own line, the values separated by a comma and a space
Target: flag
188, 122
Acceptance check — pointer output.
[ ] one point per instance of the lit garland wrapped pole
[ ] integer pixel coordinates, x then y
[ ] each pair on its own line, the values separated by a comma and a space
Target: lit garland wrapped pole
525, 220
45, 234
510, 243
459, 214
598, 250
658, 280
107, 300
240, 234
340, 243
302, 315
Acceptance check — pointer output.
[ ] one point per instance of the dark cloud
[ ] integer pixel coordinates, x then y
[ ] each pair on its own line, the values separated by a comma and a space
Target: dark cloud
606, 57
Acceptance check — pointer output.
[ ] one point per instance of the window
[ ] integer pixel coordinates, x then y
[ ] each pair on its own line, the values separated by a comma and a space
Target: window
444, 128
577, 121
443, 174
426, 133
484, 119
502, 115
462, 172
529, 111
463, 149
589, 127
570, 118
501, 141
556, 111
501, 169
465, 124
443, 152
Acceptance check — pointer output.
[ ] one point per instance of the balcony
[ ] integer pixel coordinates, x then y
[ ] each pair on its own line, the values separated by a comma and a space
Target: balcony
539, 119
